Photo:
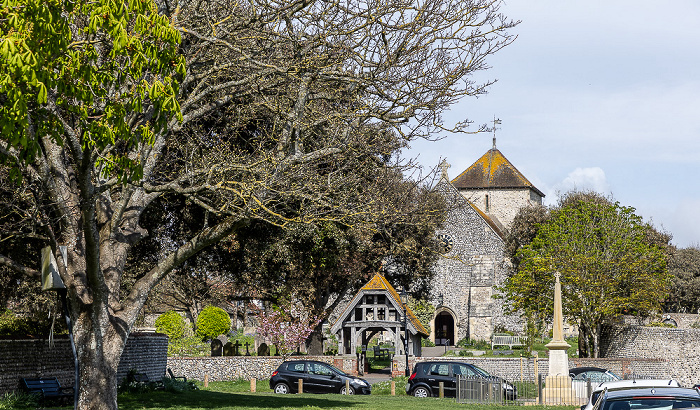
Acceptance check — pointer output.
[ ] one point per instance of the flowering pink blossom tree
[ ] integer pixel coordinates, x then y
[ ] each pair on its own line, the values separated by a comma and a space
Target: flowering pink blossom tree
287, 328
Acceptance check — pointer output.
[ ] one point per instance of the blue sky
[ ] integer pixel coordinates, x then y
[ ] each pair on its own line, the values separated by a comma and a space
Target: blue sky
595, 95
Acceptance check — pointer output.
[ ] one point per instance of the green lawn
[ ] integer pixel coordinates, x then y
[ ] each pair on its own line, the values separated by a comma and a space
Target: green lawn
234, 395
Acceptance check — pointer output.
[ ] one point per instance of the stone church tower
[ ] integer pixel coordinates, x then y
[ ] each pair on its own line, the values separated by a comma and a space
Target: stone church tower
482, 202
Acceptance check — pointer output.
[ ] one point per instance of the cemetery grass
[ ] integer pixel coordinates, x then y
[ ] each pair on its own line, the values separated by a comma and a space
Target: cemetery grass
236, 395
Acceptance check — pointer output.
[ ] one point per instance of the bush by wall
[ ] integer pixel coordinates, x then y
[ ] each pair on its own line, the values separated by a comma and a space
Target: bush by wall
212, 322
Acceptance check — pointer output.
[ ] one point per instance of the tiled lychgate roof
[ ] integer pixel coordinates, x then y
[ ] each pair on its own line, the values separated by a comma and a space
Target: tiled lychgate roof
379, 283
492, 170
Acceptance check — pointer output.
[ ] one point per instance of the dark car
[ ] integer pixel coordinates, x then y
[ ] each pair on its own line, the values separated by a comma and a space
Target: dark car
426, 377
317, 377
654, 398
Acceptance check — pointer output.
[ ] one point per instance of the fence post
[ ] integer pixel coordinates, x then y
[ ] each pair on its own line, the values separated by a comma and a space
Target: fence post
253, 385
206, 380
442, 390
521, 367
540, 390
393, 388
347, 386
301, 386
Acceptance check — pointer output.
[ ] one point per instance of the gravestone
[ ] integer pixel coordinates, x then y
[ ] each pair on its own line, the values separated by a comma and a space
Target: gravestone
228, 349
263, 349
216, 348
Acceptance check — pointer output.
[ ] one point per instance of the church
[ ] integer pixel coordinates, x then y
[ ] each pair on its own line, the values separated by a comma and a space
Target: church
482, 203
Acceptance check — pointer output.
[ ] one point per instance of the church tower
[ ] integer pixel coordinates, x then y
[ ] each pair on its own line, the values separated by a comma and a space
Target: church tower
497, 188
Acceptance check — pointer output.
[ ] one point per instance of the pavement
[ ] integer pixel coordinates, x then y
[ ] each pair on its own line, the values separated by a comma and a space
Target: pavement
378, 376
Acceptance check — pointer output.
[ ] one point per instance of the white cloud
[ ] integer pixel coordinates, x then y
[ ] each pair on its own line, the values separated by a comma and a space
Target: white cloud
580, 179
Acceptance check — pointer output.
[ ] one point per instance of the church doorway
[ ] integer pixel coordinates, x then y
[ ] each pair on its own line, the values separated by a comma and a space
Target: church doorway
444, 329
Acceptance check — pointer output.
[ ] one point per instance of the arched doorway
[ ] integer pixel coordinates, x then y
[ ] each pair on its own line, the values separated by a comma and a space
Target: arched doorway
444, 329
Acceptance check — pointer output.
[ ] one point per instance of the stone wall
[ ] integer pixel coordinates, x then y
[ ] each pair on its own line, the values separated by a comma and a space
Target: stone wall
680, 348
224, 368
144, 352
527, 369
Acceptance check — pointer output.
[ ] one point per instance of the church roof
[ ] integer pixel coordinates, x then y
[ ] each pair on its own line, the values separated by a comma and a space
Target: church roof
379, 283
493, 170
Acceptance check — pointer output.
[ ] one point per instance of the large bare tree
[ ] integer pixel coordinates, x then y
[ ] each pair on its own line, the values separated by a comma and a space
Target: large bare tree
282, 112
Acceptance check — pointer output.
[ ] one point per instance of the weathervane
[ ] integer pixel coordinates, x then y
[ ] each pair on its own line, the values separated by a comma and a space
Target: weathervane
496, 121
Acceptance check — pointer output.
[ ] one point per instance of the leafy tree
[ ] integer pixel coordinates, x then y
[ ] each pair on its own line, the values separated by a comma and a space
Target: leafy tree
265, 112
607, 263
684, 265
171, 324
212, 322
287, 326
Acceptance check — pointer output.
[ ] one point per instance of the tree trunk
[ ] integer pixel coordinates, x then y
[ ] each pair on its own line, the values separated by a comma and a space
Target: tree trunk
99, 348
314, 344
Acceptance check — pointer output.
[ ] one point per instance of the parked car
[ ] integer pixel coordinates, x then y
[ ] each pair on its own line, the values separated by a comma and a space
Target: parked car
317, 377
626, 385
581, 375
649, 398
426, 377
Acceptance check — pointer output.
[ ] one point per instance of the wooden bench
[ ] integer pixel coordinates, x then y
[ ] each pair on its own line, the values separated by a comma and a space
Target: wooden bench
509, 341
47, 388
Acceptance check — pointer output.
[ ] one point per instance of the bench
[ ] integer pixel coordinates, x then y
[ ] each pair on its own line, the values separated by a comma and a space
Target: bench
509, 341
382, 353
47, 388
172, 376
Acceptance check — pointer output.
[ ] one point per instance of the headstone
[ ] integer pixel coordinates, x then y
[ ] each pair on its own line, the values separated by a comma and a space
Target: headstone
235, 348
263, 349
216, 348
247, 352
229, 350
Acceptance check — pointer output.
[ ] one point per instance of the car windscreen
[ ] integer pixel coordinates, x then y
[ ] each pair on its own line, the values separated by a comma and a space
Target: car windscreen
651, 403
481, 371
340, 372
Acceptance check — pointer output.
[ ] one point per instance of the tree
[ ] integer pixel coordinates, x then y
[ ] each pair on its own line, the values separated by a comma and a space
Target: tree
171, 324
212, 322
271, 112
684, 265
607, 263
287, 327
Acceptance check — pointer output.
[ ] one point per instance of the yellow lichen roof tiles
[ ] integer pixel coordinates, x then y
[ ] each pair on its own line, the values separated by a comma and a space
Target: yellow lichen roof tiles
492, 170
379, 282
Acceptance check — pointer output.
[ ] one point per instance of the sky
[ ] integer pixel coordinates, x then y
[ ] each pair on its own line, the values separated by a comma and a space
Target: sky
595, 95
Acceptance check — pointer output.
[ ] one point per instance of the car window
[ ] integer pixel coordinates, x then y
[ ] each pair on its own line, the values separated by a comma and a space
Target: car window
318, 368
482, 372
439, 369
296, 367
651, 403
462, 370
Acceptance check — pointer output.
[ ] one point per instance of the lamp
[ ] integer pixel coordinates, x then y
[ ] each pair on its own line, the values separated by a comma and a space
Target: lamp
404, 300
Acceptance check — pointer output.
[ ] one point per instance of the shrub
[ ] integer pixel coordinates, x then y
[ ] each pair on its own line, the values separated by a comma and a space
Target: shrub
172, 324
18, 400
425, 342
212, 322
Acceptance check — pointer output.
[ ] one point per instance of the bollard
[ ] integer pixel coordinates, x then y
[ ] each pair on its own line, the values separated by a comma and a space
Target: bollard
540, 388
347, 386
253, 386
206, 380
442, 390
393, 388
301, 386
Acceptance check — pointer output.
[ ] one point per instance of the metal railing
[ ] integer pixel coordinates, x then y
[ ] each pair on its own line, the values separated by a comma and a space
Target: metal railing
549, 391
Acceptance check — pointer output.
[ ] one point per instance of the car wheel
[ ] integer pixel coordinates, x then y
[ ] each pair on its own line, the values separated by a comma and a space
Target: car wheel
421, 392
351, 391
281, 388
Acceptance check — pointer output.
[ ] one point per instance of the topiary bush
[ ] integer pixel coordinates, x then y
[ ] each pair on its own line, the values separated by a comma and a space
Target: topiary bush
172, 324
212, 322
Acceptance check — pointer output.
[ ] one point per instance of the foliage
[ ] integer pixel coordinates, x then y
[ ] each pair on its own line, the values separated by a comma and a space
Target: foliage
212, 322
188, 346
425, 342
172, 324
684, 265
660, 324
267, 113
477, 344
423, 310
179, 386
287, 327
18, 401
607, 263
242, 338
